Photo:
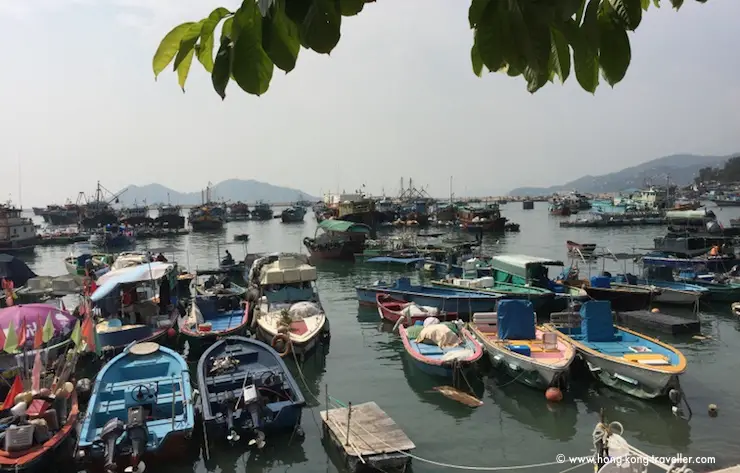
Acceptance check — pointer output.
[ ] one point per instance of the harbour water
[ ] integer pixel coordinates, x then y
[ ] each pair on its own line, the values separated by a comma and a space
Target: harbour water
515, 425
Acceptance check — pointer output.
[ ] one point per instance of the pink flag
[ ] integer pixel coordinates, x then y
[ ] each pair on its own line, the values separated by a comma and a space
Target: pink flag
36, 372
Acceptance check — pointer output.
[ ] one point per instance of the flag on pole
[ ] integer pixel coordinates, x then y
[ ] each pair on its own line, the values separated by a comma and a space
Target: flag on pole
36, 372
22, 333
11, 339
76, 336
89, 334
38, 336
15, 390
48, 331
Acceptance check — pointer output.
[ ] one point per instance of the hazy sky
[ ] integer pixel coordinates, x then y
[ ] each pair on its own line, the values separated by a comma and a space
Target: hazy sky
397, 97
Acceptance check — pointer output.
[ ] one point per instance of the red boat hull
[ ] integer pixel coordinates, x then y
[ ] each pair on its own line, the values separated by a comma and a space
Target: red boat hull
390, 310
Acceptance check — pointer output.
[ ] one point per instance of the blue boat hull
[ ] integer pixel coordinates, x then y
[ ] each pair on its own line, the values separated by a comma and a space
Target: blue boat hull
461, 305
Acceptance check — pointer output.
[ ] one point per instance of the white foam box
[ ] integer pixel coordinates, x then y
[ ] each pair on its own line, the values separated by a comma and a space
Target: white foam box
288, 262
291, 275
463, 282
485, 281
308, 273
485, 317
273, 276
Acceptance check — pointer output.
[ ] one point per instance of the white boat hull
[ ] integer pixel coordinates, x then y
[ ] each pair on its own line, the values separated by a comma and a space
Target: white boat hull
676, 297
635, 380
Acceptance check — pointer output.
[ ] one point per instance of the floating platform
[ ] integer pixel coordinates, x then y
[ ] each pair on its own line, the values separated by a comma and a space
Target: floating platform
658, 321
366, 436
626, 222
61, 240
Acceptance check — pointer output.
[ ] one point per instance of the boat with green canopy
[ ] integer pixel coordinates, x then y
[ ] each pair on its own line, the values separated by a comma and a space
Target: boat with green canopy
340, 239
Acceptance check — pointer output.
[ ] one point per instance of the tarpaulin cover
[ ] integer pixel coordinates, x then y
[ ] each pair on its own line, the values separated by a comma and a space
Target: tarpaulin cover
596, 321
515, 320
133, 274
35, 314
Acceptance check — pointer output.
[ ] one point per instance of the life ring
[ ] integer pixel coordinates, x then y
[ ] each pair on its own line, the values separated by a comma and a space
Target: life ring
736, 308
287, 343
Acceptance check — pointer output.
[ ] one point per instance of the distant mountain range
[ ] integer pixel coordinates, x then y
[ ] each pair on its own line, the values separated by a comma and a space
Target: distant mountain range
680, 168
231, 190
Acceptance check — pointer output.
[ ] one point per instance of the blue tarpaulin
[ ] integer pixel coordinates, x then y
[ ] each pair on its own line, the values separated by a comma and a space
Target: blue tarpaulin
596, 321
133, 274
515, 320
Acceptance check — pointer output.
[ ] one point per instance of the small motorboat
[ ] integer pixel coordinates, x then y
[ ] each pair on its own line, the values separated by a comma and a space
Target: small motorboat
586, 250
141, 407
210, 318
438, 348
288, 314
670, 292
621, 358
622, 298
531, 355
218, 288
246, 389
392, 310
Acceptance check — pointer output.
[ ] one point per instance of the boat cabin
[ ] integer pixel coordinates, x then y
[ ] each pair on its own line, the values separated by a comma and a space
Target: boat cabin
289, 278
523, 270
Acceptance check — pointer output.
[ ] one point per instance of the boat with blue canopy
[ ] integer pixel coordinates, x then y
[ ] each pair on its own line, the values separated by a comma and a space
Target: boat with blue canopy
246, 389
137, 303
461, 302
621, 358
141, 408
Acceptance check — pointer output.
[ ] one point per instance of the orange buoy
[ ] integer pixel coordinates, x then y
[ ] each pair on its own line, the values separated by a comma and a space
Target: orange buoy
554, 394
655, 310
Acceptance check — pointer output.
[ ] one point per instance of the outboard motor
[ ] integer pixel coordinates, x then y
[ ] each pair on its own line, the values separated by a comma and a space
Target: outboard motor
112, 430
138, 434
233, 436
252, 401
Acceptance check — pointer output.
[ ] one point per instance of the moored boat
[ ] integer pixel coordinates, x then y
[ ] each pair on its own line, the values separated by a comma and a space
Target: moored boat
141, 408
515, 345
262, 211
246, 388
210, 318
621, 358
288, 314
670, 292
622, 298
718, 291
463, 303
340, 240
293, 214
83, 260
585, 250
392, 310
440, 348
539, 297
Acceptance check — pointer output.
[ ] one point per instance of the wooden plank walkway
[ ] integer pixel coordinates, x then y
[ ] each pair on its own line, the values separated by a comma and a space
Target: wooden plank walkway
372, 431
658, 321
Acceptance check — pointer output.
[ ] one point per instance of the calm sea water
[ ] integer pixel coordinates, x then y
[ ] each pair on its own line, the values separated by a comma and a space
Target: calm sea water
515, 426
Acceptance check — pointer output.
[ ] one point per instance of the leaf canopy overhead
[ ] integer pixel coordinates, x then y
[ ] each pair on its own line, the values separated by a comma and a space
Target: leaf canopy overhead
535, 39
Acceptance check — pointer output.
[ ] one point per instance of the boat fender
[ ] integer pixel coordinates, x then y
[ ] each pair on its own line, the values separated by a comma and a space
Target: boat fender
736, 308
287, 343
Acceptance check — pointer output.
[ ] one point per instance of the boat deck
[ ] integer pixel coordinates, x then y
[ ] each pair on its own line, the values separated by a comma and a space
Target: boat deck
367, 435
658, 321
225, 320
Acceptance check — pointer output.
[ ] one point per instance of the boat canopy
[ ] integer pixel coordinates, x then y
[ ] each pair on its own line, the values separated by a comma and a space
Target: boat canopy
701, 214
133, 274
521, 265
343, 226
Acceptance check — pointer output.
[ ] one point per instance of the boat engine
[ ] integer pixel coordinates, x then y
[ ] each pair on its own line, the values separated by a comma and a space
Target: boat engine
112, 430
138, 434
252, 402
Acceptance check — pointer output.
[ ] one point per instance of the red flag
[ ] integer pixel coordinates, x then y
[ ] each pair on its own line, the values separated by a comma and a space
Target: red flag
15, 390
38, 337
88, 333
22, 334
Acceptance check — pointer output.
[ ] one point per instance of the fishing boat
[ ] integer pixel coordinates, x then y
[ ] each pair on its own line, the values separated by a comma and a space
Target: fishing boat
481, 219
212, 317
246, 389
223, 287
585, 250
238, 212
712, 263
670, 292
718, 290
40, 419
463, 303
288, 314
17, 233
392, 310
529, 354
137, 303
441, 347
141, 408
113, 236
622, 297
262, 211
539, 297
340, 240
293, 214
83, 259
621, 358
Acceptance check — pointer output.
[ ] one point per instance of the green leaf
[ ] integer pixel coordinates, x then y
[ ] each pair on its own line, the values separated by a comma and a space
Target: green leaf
187, 43
513, 34
227, 27
629, 12
677, 4
571, 8
351, 7
475, 12
512, 71
535, 79
645, 4
250, 65
205, 50
559, 54
585, 41
297, 10
184, 68
168, 47
586, 65
320, 29
581, 12
280, 38
487, 39
222, 68
476, 60
540, 44
615, 54
656, 3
